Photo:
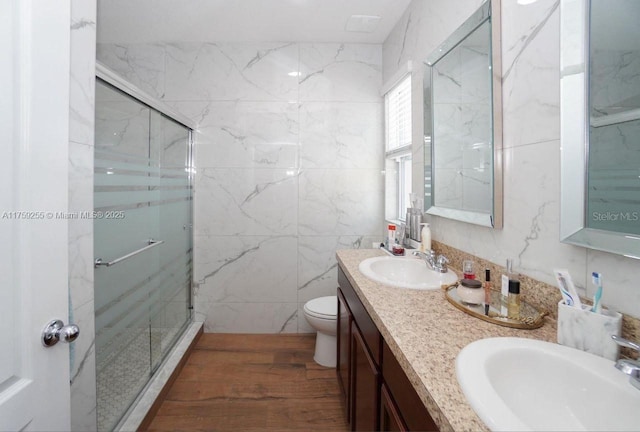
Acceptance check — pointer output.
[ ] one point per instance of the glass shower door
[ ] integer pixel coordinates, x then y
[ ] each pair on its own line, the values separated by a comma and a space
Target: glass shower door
171, 310
142, 237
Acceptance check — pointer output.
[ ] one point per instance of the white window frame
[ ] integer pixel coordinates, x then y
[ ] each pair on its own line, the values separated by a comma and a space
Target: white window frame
398, 158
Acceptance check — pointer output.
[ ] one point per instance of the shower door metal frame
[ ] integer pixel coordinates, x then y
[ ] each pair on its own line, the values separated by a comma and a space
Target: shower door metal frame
107, 75
111, 78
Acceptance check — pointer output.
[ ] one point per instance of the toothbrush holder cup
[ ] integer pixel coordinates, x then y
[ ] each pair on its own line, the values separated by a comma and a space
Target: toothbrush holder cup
589, 331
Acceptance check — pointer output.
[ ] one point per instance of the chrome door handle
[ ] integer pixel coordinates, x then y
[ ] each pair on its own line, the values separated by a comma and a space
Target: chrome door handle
56, 331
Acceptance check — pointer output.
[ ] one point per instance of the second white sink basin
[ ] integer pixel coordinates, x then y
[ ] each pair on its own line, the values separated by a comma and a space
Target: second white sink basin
405, 272
519, 384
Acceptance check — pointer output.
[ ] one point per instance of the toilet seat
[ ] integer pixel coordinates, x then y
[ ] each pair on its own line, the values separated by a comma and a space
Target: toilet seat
322, 307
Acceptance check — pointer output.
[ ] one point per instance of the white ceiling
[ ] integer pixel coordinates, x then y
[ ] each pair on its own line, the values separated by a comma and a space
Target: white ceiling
140, 21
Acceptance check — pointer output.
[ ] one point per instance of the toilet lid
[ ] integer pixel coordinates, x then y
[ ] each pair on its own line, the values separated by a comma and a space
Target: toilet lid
322, 307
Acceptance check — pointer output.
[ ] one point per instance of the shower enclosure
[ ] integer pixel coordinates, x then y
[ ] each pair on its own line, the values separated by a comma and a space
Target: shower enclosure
142, 242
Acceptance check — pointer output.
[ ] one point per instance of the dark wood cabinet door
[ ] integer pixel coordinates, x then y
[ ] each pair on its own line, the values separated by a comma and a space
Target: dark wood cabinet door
390, 419
364, 361
414, 414
368, 330
365, 385
343, 363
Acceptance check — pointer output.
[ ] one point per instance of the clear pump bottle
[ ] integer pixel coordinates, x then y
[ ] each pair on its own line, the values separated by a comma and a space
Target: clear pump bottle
504, 286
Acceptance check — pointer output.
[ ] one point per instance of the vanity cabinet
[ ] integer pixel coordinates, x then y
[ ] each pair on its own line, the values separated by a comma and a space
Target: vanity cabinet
358, 365
377, 393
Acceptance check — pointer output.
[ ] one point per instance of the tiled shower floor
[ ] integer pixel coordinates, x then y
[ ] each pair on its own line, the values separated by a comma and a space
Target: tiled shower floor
123, 373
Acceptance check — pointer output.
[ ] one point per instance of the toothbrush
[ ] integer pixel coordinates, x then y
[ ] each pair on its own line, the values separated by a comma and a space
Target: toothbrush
597, 281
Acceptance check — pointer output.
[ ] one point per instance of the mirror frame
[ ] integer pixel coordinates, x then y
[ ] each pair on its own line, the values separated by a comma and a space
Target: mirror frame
574, 137
488, 11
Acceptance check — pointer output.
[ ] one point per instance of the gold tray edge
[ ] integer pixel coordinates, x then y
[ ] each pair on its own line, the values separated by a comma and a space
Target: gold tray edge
501, 321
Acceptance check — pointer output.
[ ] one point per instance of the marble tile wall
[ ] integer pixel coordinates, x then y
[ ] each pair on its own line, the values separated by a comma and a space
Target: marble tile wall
531, 116
81, 139
289, 156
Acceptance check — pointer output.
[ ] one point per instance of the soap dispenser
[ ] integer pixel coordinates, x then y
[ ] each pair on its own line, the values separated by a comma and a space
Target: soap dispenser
425, 238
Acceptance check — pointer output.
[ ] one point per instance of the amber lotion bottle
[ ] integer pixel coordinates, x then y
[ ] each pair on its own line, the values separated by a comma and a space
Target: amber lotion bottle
513, 300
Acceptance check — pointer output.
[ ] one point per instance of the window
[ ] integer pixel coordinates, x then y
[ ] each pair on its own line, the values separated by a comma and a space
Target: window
398, 149
398, 115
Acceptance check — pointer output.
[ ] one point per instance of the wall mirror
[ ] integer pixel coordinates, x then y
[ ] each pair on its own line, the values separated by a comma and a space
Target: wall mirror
463, 122
600, 120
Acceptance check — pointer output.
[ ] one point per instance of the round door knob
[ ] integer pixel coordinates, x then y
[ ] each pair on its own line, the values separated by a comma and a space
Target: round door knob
56, 331
69, 333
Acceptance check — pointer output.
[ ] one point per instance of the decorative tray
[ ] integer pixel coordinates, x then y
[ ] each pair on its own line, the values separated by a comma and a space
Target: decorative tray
530, 317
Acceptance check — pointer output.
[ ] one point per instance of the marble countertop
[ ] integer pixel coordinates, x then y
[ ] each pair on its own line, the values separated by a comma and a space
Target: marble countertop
426, 333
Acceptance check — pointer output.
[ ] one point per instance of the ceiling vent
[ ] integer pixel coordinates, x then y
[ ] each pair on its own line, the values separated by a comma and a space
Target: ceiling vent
362, 23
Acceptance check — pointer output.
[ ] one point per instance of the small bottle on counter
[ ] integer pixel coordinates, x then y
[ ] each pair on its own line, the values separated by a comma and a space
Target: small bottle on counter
467, 269
487, 291
513, 300
504, 286
391, 236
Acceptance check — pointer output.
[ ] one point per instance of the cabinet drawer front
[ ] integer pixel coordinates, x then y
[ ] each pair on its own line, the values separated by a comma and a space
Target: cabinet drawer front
412, 409
370, 333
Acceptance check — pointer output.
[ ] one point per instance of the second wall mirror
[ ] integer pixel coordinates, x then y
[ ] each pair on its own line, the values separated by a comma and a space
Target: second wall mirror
463, 122
600, 124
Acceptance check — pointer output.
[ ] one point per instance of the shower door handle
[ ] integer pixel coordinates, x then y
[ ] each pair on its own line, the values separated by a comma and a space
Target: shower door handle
150, 243
56, 331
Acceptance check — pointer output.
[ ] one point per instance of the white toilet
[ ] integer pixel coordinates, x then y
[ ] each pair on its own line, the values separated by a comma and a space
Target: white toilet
322, 313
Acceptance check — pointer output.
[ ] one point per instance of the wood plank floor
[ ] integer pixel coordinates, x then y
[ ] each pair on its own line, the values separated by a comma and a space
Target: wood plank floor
234, 382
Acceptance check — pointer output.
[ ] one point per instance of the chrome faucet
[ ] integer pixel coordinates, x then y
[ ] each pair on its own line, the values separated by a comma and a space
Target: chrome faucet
438, 264
629, 367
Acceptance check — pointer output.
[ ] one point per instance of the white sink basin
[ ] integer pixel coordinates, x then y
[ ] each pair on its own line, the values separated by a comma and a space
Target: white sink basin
528, 385
404, 272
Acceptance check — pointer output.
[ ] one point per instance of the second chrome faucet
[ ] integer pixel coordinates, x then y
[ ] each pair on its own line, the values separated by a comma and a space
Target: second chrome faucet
629, 367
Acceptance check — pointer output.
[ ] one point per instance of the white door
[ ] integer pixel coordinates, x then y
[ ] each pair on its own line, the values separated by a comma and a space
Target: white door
34, 123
